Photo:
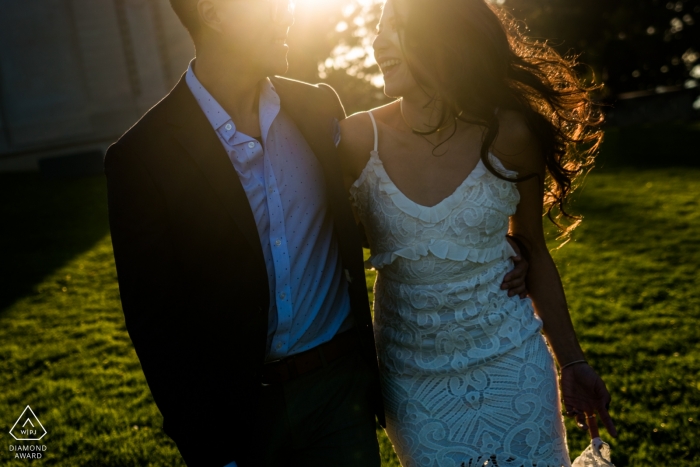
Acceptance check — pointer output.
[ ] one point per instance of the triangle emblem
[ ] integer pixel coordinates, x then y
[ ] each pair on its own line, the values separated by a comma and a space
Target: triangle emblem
28, 427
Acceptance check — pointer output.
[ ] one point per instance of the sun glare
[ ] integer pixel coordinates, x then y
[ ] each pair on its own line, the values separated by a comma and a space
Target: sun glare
358, 17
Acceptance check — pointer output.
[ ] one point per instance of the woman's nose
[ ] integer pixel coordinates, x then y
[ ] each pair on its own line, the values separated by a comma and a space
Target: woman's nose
379, 43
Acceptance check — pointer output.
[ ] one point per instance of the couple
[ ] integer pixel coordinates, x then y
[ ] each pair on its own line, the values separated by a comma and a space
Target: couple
234, 207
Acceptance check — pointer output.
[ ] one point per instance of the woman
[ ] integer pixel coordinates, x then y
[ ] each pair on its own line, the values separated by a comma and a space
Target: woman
485, 133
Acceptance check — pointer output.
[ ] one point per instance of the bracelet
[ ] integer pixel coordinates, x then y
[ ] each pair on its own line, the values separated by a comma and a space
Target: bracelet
573, 363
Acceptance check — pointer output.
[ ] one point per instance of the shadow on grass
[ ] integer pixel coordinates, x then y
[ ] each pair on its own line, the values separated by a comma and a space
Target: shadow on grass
45, 223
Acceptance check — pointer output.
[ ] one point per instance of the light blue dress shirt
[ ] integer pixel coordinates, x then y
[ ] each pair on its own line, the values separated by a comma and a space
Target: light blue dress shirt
285, 186
284, 183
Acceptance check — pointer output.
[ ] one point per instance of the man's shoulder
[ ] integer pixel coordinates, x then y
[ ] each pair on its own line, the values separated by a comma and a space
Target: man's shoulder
152, 124
320, 95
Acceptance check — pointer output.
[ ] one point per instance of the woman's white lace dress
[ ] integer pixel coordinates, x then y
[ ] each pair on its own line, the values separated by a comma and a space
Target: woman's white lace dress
468, 379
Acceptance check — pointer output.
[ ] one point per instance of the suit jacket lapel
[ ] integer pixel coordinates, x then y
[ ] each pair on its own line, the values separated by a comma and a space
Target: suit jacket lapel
195, 134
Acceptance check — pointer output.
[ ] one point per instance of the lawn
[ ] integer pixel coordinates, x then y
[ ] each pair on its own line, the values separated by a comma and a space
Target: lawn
630, 272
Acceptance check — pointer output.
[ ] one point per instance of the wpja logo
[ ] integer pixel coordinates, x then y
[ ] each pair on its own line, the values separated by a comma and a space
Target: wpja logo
28, 428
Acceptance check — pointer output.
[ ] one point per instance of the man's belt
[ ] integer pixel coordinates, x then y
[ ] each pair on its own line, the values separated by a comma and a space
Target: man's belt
288, 368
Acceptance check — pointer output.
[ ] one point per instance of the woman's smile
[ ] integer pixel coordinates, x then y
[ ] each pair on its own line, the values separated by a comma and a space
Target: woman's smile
389, 65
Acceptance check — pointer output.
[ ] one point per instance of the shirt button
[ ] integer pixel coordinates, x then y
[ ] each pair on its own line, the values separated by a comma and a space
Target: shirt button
228, 127
251, 145
278, 242
283, 295
279, 345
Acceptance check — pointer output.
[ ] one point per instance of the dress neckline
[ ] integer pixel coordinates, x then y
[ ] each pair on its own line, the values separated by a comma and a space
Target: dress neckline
429, 214
477, 170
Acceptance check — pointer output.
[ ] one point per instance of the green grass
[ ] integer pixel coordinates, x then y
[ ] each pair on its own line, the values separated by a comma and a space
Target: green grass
630, 275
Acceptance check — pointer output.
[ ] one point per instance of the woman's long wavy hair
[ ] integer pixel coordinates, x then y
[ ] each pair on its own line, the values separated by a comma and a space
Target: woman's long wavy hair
475, 59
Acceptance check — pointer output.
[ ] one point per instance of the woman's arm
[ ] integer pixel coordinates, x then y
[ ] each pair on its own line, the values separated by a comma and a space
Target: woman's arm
584, 392
517, 148
544, 283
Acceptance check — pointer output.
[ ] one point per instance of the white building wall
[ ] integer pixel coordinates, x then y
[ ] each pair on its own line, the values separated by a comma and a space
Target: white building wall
104, 62
73, 72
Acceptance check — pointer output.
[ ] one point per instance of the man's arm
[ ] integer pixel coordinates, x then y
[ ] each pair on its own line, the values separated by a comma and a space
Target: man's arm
143, 256
146, 265
335, 103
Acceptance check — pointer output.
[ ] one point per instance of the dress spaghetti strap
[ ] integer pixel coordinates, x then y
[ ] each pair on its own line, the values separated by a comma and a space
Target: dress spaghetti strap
376, 135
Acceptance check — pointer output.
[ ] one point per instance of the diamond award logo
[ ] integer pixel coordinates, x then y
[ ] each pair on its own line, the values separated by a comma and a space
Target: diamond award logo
28, 427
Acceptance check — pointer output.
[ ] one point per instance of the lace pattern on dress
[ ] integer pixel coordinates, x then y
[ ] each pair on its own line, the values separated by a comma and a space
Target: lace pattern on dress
467, 378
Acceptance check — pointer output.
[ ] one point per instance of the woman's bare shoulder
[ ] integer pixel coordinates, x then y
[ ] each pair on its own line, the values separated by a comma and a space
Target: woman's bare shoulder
387, 112
357, 138
516, 144
359, 125
356, 133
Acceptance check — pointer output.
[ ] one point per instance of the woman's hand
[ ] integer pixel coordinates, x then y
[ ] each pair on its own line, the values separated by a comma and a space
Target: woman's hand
514, 281
585, 394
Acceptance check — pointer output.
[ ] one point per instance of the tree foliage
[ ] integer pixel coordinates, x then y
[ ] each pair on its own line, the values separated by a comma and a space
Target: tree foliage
630, 45
331, 42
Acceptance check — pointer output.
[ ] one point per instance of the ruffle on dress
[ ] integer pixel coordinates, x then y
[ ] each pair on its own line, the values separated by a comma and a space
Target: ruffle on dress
428, 214
444, 249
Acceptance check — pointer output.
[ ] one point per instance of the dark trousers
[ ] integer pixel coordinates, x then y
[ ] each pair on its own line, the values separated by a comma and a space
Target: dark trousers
321, 419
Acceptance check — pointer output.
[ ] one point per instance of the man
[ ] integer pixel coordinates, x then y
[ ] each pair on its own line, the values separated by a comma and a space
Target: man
240, 265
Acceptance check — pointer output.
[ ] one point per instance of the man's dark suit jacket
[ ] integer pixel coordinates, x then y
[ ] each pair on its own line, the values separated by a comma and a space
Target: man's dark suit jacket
192, 279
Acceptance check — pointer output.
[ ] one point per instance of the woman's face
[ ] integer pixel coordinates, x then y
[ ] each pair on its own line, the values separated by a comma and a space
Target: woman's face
398, 80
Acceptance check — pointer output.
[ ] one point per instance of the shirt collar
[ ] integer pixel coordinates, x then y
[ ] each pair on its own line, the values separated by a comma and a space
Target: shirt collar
269, 106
